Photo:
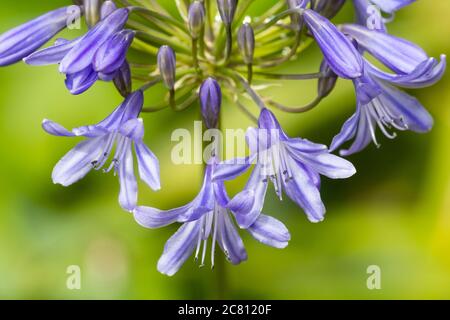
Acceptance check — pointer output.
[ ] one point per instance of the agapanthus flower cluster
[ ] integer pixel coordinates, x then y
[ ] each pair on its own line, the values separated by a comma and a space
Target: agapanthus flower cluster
213, 50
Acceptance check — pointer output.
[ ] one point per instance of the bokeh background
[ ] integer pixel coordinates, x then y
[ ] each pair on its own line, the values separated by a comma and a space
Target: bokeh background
395, 213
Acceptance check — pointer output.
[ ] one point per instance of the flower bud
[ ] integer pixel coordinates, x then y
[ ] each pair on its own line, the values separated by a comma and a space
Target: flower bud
112, 53
108, 7
167, 65
25, 39
327, 8
210, 102
227, 10
328, 81
122, 80
92, 10
246, 42
196, 19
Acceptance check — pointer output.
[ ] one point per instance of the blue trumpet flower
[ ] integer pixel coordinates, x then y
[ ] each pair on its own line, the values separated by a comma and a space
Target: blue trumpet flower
291, 164
379, 103
208, 216
123, 128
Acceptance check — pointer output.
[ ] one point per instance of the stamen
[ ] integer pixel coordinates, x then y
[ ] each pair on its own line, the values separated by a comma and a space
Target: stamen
287, 170
122, 144
106, 152
199, 243
276, 177
205, 246
370, 124
214, 239
402, 126
383, 119
385, 132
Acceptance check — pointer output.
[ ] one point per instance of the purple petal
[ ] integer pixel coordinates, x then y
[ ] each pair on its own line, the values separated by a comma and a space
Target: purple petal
312, 174
267, 120
259, 139
19, 42
122, 80
111, 54
51, 55
56, 129
80, 57
426, 74
205, 200
133, 106
398, 54
325, 163
341, 55
133, 129
363, 134
148, 166
80, 82
390, 6
229, 240
413, 113
348, 131
241, 205
364, 15
305, 146
78, 162
303, 191
90, 131
128, 184
270, 231
202, 204
231, 169
128, 109
179, 248
249, 209
220, 194
108, 7
107, 77
155, 218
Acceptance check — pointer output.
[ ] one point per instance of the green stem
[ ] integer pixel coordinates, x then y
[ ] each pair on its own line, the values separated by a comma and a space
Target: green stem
161, 17
153, 39
306, 76
252, 93
301, 109
229, 43
172, 102
209, 21
250, 73
275, 19
195, 53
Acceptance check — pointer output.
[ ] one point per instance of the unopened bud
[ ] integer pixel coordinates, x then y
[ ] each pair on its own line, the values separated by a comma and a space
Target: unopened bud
92, 10
227, 10
108, 7
327, 8
328, 81
167, 65
210, 102
246, 42
122, 80
196, 19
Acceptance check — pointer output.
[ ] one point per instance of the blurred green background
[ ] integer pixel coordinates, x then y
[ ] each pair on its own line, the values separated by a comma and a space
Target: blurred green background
395, 213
